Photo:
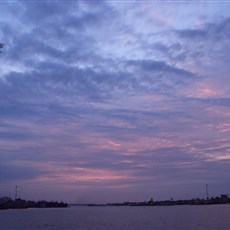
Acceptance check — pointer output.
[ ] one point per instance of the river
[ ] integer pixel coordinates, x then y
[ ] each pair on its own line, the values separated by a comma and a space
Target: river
211, 217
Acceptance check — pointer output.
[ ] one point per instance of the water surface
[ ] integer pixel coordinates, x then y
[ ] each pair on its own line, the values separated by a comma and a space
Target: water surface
212, 217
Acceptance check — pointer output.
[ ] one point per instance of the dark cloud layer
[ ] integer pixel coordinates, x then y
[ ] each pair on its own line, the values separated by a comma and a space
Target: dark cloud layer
95, 98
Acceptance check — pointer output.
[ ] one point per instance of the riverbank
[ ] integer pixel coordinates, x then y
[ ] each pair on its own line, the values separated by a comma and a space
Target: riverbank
8, 203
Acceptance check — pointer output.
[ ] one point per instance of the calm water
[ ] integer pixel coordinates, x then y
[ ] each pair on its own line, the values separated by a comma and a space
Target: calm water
163, 218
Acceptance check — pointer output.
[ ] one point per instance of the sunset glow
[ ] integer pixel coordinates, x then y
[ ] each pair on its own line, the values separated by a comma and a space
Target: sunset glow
104, 101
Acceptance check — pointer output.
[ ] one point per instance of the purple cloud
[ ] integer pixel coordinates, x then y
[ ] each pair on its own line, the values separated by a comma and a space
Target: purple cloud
96, 99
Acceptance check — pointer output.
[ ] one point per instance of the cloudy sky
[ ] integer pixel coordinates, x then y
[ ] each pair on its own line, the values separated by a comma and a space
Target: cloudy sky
106, 101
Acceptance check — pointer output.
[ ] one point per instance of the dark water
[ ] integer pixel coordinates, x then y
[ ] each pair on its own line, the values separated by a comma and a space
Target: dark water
215, 217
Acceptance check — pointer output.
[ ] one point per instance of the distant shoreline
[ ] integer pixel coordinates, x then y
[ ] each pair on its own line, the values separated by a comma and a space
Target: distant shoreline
8, 203
223, 199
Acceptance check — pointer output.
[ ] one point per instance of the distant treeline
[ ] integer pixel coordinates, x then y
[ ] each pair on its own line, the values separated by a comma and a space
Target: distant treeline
8, 203
223, 199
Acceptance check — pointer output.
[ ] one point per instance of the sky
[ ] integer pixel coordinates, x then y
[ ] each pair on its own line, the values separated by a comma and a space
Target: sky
112, 101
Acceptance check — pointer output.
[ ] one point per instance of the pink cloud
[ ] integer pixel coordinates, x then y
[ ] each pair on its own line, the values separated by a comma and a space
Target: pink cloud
204, 90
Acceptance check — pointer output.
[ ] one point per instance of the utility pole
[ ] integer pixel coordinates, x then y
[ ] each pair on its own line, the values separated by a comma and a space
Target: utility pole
207, 196
16, 192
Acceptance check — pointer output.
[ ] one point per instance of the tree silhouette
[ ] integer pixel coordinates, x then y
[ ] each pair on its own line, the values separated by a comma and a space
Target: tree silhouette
1, 45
